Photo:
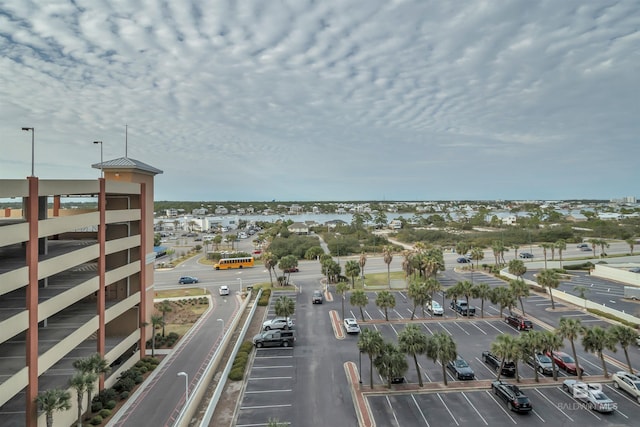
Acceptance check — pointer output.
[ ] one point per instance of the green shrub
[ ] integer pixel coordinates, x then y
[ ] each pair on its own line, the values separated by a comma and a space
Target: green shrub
236, 374
96, 407
110, 404
106, 395
105, 413
96, 421
124, 395
124, 384
246, 347
138, 379
173, 335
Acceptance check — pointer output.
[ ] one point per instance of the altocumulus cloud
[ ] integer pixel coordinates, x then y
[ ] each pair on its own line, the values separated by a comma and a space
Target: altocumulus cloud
328, 100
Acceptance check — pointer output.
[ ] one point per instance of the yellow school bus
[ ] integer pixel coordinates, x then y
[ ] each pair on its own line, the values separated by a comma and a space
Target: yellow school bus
227, 263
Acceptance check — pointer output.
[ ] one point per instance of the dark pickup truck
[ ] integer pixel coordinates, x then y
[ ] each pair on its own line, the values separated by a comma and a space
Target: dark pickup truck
461, 307
274, 338
508, 369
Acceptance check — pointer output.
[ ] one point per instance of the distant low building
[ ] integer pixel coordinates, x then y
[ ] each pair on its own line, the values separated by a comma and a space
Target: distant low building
298, 228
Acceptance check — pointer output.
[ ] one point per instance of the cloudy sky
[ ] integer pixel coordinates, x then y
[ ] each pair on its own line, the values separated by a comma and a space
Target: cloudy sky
298, 100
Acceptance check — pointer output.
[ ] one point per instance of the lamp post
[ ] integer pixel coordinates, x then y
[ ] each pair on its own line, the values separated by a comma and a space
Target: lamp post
101, 170
33, 131
360, 367
186, 385
240, 278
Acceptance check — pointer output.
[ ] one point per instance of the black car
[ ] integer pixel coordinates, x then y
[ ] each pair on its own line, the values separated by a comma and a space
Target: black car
463, 260
510, 393
526, 255
508, 369
518, 322
187, 279
461, 369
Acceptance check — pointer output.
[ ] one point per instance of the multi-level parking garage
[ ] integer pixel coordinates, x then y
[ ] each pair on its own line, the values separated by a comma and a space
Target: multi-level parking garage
72, 282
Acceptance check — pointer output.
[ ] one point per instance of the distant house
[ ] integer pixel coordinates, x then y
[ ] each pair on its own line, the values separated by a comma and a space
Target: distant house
576, 217
298, 228
395, 224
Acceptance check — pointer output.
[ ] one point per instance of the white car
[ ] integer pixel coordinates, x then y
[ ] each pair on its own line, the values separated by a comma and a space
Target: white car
435, 308
277, 323
224, 290
351, 325
627, 382
591, 394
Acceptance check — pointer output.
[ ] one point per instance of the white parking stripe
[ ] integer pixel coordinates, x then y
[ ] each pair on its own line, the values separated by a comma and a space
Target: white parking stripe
500, 406
442, 326
267, 391
475, 409
266, 406
478, 327
538, 415
447, 408
269, 378
420, 410
393, 412
273, 367
489, 324
553, 404
461, 328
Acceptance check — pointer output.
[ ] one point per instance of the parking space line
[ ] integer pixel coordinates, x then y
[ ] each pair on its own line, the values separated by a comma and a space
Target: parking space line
461, 328
392, 411
275, 357
483, 364
420, 410
446, 330
475, 409
448, 410
427, 328
285, 405
624, 395
493, 327
273, 367
267, 391
538, 415
500, 406
554, 405
269, 378
399, 315
478, 327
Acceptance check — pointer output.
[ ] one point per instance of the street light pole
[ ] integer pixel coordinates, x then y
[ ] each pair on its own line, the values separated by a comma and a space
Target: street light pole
186, 385
33, 131
101, 169
360, 366
239, 278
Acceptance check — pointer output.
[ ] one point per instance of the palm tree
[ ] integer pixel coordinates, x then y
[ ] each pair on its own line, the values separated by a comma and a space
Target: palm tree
453, 293
285, 307
53, 400
551, 342
352, 269
530, 343
270, 261
81, 382
359, 299
502, 295
164, 307
419, 294
596, 340
517, 268
625, 336
544, 247
413, 342
362, 261
477, 254
385, 300
519, 289
387, 256
370, 342
391, 362
603, 244
482, 291
466, 289
632, 243
341, 289
441, 348
97, 365
548, 279
594, 245
515, 250
156, 323
506, 348
433, 285
571, 329
462, 248
561, 245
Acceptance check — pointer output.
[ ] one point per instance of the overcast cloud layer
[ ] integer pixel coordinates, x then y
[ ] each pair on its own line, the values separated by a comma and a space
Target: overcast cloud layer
328, 100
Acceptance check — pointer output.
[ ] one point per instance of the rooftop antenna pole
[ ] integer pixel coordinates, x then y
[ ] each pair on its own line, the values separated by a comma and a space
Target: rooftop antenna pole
126, 140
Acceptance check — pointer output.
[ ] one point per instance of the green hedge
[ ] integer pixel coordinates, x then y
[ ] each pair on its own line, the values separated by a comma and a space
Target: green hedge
240, 362
613, 317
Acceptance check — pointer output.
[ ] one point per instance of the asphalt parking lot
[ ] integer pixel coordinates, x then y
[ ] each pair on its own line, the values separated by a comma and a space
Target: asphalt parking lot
270, 382
551, 407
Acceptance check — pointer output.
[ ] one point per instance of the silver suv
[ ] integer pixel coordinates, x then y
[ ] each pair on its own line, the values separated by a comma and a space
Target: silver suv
277, 323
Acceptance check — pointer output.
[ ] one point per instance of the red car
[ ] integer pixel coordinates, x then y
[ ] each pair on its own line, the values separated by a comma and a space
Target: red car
565, 362
291, 270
